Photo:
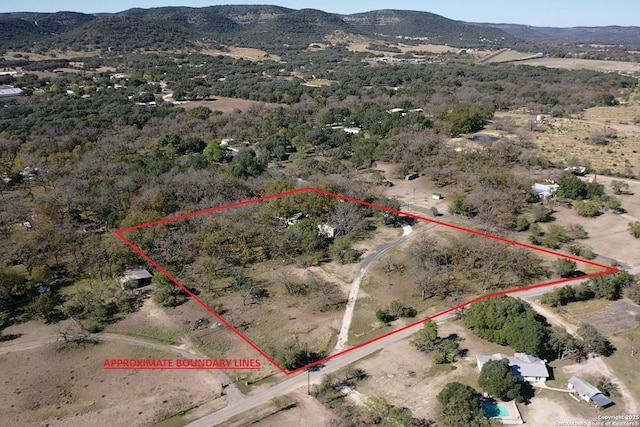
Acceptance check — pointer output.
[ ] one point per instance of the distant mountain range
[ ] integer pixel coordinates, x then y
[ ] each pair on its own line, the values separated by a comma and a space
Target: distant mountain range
613, 34
275, 28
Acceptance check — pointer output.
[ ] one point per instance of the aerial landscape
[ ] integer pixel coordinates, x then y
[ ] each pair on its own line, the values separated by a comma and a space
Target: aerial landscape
259, 215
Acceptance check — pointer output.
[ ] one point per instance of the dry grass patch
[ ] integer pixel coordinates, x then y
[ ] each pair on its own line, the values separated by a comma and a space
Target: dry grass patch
614, 317
226, 105
242, 52
70, 388
584, 64
508, 56
625, 361
579, 309
356, 43
54, 54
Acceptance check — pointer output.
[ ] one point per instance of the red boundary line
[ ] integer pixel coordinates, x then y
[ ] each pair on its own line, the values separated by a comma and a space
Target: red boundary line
119, 233
181, 369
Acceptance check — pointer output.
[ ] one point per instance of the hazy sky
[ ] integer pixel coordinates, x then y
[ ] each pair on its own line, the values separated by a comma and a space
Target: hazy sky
558, 13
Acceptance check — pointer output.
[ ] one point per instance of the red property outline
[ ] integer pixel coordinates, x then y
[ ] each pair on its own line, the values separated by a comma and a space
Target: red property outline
119, 233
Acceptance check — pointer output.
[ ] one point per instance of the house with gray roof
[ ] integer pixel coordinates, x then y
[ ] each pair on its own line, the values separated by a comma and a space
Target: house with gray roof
588, 393
7, 91
524, 366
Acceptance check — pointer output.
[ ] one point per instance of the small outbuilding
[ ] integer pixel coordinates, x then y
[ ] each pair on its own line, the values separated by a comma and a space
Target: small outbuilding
134, 278
328, 230
7, 91
588, 393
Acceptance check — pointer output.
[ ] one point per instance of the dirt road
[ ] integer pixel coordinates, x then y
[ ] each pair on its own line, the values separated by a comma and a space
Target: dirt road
592, 365
343, 336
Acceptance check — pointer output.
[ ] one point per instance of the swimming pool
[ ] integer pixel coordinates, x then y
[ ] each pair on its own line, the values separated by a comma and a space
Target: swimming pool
496, 410
484, 138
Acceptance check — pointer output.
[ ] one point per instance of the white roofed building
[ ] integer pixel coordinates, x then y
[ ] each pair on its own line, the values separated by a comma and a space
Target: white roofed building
524, 366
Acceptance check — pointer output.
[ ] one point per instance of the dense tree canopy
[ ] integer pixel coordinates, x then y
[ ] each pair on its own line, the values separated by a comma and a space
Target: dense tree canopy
497, 379
508, 321
461, 406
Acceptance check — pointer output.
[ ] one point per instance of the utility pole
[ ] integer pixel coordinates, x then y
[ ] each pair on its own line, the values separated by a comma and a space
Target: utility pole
306, 350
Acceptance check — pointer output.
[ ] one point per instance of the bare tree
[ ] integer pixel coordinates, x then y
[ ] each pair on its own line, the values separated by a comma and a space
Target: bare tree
345, 218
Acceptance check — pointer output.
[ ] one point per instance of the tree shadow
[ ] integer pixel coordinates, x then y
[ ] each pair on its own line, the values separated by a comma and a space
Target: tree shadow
9, 337
527, 391
574, 274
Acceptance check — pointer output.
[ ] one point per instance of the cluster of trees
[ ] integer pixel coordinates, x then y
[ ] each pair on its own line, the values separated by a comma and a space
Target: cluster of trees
445, 350
294, 354
610, 286
375, 411
461, 406
589, 197
395, 310
554, 236
466, 118
468, 263
509, 321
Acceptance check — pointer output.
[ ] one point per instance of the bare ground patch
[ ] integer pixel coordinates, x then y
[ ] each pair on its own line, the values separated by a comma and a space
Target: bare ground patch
616, 316
608, 234
242, 52
47, 386
307, 412
356, 43
625, 402
584, 64
566, 140
226, 105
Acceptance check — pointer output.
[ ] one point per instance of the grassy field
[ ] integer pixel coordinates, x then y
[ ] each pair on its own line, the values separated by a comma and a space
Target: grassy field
586, 64
567, 140
220, 103
508, 56
241, 52
625, 361
68, 387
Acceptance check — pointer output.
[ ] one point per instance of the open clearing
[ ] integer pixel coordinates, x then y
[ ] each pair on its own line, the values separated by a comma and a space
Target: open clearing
241, 52
68, 387
356, 43
307, 412
220, 103
565, 141
586, 64
614, 317
625, 361
608, 234
507, 55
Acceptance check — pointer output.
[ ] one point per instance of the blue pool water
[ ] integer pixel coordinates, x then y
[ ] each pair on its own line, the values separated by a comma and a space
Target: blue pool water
496, 411
484, 138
